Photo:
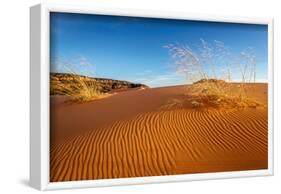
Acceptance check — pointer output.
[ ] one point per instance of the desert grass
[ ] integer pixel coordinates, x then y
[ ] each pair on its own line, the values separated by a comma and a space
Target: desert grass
77, 88
218, 93
210, 68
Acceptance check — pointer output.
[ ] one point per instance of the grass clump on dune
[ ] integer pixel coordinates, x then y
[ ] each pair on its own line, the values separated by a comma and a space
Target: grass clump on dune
218, 93
73, 84
209, 69
77, 88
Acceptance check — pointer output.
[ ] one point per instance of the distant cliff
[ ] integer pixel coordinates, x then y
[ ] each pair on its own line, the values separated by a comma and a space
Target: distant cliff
59, 81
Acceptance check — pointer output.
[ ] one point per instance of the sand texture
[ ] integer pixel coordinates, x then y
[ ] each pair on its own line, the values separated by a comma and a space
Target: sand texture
139, 133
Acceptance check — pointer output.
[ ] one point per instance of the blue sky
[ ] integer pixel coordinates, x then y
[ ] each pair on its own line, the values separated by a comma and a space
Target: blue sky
130, 48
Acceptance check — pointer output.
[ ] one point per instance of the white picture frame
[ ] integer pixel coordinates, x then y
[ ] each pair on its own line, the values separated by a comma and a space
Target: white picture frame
39, 101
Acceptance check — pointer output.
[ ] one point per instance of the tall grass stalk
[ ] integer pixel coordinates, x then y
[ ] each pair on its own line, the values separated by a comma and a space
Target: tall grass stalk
78, 88
208, 63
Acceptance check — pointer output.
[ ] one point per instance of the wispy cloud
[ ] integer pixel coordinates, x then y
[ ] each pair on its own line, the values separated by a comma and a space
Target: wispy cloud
160, 80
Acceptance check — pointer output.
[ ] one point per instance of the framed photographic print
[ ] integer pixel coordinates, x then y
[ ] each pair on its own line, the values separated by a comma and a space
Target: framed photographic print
124, 97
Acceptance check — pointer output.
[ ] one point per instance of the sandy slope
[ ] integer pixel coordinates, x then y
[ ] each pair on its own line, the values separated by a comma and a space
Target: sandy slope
130, 134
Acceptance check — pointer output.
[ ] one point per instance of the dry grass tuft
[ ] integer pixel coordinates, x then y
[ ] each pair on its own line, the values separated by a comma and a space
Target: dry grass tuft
207, 67
219, 94
206, 94
80, 89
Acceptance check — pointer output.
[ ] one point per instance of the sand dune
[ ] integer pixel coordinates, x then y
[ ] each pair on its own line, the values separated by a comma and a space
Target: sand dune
130, 135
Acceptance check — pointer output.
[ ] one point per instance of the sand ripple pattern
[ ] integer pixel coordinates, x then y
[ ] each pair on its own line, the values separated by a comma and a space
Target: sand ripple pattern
165, 143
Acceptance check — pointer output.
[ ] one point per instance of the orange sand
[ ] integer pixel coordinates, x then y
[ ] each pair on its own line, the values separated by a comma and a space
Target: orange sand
130, 134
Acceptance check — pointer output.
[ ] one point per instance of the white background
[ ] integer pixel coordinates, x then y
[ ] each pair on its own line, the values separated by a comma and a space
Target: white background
14, 94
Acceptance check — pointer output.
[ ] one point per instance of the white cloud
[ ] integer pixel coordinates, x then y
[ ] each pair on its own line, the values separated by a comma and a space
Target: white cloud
167, 79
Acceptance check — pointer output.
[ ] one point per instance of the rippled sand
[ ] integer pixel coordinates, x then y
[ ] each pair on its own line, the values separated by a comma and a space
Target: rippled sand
131, 135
